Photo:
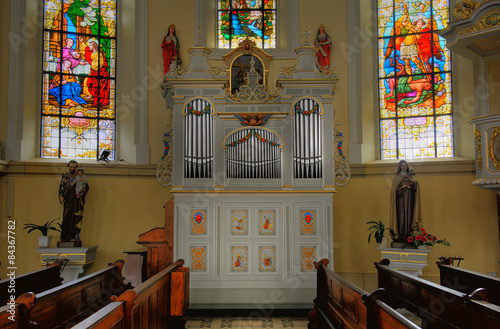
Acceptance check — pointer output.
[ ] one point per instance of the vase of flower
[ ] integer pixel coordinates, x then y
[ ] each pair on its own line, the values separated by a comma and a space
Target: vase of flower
419, 238
384, 243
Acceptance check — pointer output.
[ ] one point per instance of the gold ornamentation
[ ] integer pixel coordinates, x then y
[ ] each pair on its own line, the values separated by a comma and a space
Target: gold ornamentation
198, 259
286, 71
165, 169
308, 256
489, 20
252, 91
341, 168
465, 8
477, 135
494, 148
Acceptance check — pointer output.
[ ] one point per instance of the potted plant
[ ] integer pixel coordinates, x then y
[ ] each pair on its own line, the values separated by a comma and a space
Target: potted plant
420, 238
377, 229
44, 239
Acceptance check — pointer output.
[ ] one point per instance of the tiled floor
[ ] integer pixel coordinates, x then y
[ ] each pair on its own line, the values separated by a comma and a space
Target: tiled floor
246, 323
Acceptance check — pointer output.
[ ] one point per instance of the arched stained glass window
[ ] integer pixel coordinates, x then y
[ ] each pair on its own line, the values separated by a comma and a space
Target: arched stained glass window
78, 83
239, 18
414, 69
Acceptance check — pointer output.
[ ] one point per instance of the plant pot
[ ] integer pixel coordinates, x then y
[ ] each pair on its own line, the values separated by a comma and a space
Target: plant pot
384, 243
422, 246
44, 241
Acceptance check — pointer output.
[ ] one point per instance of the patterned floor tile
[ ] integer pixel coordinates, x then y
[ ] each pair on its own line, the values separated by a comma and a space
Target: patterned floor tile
227, 322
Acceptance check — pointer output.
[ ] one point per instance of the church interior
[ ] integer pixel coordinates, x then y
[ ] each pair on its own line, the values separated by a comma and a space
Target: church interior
276, 147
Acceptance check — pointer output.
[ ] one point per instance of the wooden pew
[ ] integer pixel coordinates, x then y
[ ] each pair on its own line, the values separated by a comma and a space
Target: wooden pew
340, 304
36, 282
72, 302
159, 302
437, 306
467, 281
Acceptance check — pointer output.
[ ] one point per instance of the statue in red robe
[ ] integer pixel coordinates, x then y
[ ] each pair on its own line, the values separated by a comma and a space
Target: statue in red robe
170, 46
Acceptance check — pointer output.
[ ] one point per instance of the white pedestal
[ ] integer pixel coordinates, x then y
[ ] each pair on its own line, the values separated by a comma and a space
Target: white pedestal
75, 260
411, 261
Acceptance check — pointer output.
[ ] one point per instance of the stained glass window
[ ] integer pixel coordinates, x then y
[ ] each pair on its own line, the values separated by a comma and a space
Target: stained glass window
414, 69
78, 82
241, 18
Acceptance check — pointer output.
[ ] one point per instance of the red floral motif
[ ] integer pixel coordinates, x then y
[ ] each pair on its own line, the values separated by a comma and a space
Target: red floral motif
308, 219
198, 218
79, 121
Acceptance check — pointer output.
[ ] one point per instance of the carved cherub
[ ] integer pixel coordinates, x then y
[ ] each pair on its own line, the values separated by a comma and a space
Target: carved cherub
253, 119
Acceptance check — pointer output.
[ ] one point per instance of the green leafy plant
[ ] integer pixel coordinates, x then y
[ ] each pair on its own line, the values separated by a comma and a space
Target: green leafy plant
45, 228
377, 229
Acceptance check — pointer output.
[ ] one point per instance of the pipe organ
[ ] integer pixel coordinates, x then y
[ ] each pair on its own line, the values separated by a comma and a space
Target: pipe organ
253, 190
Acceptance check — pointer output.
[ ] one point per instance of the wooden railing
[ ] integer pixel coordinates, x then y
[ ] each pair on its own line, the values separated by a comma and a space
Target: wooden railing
340, 304
437, 306
159, 302
36, 282
468, 282
65, 305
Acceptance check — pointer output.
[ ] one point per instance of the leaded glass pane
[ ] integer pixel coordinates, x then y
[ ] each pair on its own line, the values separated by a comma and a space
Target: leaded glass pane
415, 78
444, 134
416, 137
78, 85
269, 29
389, 139
50, 137
255, 19
79, 137
387, 108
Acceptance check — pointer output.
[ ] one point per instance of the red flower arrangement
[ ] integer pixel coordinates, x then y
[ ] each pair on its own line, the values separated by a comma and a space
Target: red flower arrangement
419, 236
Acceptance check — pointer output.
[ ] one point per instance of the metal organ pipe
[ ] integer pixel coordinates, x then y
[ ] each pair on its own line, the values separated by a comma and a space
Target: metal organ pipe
253, 157
307, 140
198, 148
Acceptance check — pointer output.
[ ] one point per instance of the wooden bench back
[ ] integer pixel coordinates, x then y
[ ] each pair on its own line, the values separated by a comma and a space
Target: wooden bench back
72, 302
437, 306
340, 304
467, 281
35, 281
153, 304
